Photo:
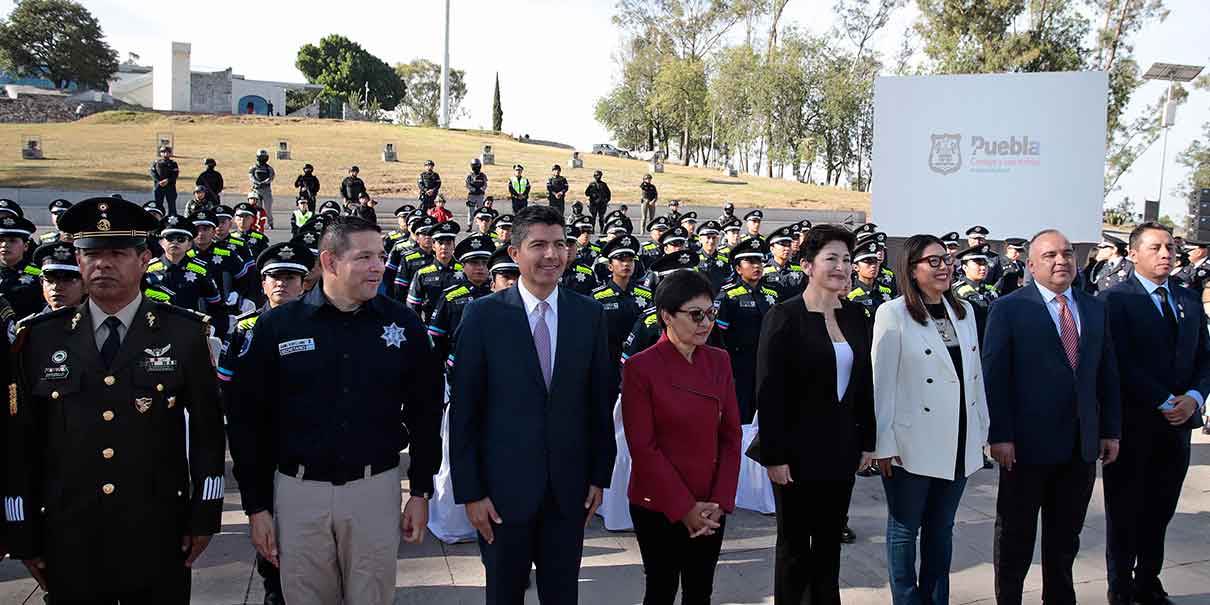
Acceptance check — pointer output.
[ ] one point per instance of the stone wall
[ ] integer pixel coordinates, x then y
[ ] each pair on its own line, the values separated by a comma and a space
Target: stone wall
40, 109
210, 92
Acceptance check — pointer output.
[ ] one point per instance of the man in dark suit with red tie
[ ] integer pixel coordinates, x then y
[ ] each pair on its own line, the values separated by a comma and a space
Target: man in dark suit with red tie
1163, 349
531, 423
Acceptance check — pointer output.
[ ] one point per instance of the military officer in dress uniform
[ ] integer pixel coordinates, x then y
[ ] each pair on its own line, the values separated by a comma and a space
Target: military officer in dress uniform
62, 285
867, 291
647, 330
56, 208
752, 221
788, 279
104, 503
578, 276
474, 253
186, 282
973, 286
742, 304
1012, 275
18, 278
431, 280
1112, 266
715, 264
622, 299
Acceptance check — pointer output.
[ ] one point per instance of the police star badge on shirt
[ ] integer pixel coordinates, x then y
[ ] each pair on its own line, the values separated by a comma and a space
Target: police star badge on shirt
393, 336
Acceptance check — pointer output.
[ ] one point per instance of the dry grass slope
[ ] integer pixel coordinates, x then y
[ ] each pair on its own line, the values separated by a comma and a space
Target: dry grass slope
113, 150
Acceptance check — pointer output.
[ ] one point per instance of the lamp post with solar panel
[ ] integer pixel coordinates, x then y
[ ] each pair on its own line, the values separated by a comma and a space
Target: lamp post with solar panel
1171, 73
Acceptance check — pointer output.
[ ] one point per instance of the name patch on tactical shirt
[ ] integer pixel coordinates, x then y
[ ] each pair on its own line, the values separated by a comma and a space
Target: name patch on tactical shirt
747, 303
295, 346
55, 372
610, 306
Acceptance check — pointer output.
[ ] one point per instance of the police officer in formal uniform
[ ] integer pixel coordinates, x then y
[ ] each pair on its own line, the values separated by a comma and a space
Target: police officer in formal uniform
186, 282
586, 249
556, 188
18, 278
1112, 266
404, 246
656, 229
976, 236
689, 222
742, 304
622, 298
226, 268
867, 291
673, 240
429, 185
714, 263
950, 241
674, 212
245, 229
752, 221
578, 276
111, 496
973, 286
732, 228
282, 268
1012, 275
402, 234
782, 275
646, 330
432, 279
482, 221
474, 254
404, 261
502, 229
602, 268
518, 188
62, 285
56, 209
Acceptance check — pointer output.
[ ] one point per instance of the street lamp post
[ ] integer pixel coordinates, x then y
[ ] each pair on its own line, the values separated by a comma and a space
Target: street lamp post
1171, 73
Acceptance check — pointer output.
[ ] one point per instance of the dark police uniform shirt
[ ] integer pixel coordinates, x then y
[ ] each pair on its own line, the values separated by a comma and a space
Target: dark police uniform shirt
443, 327
622, 308
978, 294
255, 240
1109, 276
21, 286
228, 270
869, 296
740, 310
410, 262
334, 392
579, 278
395, 253
789, 281
886, 277
1011, 277
588, 255
187, 285
650, 251
646, 332
393, 238
102, 450
237, 343
428, 284
716, 268
556, 184
426, 181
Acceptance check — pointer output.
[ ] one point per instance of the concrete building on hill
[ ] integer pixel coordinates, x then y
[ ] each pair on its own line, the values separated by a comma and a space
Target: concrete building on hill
170, 84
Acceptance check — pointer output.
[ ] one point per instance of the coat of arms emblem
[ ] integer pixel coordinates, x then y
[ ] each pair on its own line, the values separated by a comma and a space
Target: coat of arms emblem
945, 155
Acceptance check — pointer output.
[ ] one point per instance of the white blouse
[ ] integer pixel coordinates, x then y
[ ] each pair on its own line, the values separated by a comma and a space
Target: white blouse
844, 367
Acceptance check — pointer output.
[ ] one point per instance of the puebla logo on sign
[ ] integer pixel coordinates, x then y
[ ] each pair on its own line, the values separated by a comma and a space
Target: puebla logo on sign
987, 154
945, 155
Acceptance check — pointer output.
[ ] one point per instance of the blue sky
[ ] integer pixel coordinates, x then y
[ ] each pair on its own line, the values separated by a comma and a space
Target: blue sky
555, 58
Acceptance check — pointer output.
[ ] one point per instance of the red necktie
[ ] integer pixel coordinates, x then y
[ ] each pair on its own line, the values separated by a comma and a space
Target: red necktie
1068, 332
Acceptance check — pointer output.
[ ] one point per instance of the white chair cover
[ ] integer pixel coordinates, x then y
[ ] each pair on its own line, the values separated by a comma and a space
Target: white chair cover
615, 506
447, 520
755, 491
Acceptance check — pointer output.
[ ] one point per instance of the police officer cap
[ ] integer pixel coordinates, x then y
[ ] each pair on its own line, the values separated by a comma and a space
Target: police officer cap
977, 230
476, 162
659, 223
621, 245
1109, 241
415, 217
287, 257
949, 239
571, 232
755, 215
503, 221
405, 210
501, 262
154, 206
485, 214
329, 206
710, 227
752, 248
205, 216
16, 225
614, 214
782, 236
244, 209
1016, 242
974, 253
423, 225
59, 206
105, 222
309, 238
877, 237
8, 206
867, 249
474, 247
685, 259
222, 212
618, 225
429, 163
804, 225
1196, 244
675, 235
201, 188
689, 217
175, 224
318, 223
59, 256
448, 229
583, 223
732, 224
866, 228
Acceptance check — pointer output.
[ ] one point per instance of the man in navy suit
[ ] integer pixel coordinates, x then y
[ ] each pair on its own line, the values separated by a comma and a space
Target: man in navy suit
1052, 391
1159, 331
531, 421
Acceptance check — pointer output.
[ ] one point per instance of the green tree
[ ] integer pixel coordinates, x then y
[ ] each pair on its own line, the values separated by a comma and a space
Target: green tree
58, 40
680, 96
421, 105
497, 109
343, 67
688, 29
1196, 157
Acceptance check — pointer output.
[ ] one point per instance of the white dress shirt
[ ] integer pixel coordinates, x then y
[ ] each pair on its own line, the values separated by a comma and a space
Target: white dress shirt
1052, 305
552, 314
125, 315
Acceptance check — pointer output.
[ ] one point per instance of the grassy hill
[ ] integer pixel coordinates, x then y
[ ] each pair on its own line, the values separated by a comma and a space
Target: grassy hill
113, 150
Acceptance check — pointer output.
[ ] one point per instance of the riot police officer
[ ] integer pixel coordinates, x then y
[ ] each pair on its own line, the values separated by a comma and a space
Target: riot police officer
429, 184
742, 304
556, 188
474, 254
164, 173
476, 188
785, 277
260, 177
622, 299
307, 185
429, 281
598, 195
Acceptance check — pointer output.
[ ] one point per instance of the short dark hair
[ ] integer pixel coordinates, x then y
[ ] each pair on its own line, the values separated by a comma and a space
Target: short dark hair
679, 288
913, 298
822, 235
534, 215
335, 236
1138, 232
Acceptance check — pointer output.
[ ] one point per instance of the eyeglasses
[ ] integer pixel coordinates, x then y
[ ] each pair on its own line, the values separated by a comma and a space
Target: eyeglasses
699, 315
176, 239
935, 261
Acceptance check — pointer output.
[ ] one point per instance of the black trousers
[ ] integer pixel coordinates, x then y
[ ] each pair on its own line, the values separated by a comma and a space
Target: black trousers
518, 204
166, 196
810, 516
672, 559
557, 204
270, 574
1141, 492
551, 541
1061, 492
597, 213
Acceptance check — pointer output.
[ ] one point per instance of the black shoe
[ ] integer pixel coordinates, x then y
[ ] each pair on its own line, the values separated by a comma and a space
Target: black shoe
988, 463
1119, 598
274, 598
847, 536
868, 471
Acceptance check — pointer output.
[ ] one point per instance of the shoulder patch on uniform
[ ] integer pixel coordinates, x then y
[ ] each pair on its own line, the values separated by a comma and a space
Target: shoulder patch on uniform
412, 256
602, 292
855, 292
455, 291
196, 267
582, 269
222, 252
965, 289
157, 295
426, 269
155, 266
247, 322
641, 291
734, 292
31, 270
39, 318
650, 319
769, 291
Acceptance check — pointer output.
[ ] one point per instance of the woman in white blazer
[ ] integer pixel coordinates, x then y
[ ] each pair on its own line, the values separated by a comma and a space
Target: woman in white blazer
931, 414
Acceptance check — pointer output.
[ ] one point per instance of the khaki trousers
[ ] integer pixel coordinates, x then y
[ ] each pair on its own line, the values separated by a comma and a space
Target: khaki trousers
338, 544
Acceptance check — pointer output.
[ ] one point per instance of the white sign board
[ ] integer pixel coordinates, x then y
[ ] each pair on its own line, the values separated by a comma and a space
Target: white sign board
1016, 153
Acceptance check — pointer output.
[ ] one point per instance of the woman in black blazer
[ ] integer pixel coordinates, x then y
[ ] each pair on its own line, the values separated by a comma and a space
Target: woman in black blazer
815, 393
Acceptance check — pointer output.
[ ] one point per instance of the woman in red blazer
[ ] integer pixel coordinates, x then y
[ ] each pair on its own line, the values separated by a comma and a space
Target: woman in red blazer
682, 426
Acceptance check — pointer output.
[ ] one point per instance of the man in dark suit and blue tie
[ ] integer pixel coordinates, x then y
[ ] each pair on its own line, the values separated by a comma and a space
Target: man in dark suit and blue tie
1163, 349
531, 418
1052, 391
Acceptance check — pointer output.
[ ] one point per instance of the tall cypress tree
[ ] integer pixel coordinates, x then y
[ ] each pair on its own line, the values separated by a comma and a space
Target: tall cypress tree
497, 111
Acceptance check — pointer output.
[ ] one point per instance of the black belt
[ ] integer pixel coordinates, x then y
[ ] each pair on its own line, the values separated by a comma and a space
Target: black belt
335, 476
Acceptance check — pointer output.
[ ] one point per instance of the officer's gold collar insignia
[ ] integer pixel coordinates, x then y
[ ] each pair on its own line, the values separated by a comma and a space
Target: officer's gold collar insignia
75, 320
150, 319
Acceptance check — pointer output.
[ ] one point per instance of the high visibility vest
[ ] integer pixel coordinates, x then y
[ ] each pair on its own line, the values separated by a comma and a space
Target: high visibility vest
301, 217
519, 185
